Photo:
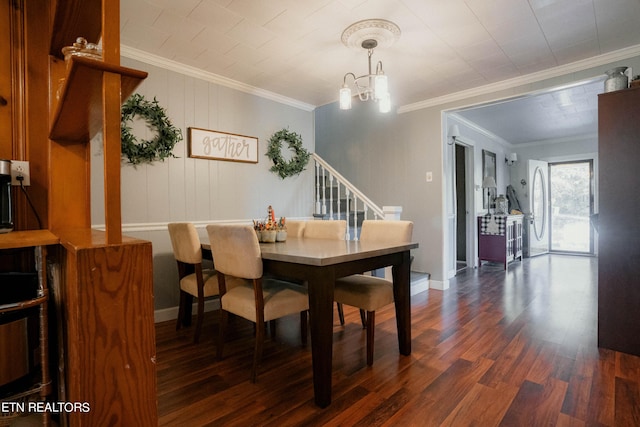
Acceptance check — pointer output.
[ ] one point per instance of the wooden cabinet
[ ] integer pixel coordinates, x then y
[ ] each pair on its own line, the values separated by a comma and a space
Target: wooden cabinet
618, 231
503, 247
106, 279
39, 388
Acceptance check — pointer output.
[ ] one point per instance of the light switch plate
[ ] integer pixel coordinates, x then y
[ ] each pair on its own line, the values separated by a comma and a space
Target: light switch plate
20, 168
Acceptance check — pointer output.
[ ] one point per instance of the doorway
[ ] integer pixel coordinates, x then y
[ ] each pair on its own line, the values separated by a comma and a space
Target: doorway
571, 201
461, 207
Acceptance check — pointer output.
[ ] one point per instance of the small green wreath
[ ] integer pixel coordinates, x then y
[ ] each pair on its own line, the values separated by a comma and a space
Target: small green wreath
158, 148
274, 151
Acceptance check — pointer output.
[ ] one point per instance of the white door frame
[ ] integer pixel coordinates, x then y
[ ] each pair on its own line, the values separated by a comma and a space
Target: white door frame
450, 201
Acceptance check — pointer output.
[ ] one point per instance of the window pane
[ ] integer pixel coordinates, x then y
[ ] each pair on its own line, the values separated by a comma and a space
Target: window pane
571, 207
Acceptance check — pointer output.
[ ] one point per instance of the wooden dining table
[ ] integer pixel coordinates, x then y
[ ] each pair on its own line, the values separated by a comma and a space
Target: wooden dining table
319, 262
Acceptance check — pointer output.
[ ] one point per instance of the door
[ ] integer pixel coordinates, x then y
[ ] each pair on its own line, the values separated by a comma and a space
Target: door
538, 217
571, 206
461, 207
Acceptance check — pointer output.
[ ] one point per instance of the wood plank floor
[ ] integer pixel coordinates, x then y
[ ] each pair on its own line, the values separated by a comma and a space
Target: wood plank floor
496, 349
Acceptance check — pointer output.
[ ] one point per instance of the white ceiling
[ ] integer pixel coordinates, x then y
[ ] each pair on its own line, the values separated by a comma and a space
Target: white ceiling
293, 48
555, 115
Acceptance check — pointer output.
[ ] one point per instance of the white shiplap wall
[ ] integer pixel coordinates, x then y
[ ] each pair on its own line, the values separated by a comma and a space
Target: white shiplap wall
199, 190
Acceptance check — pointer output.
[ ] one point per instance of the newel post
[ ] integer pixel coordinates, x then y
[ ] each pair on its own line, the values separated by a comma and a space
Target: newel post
392, 212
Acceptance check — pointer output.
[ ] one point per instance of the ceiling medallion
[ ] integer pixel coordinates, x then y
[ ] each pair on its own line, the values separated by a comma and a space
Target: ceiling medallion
384, 32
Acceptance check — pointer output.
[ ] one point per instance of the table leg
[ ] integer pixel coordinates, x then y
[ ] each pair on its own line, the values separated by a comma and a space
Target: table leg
402, 296
320, 287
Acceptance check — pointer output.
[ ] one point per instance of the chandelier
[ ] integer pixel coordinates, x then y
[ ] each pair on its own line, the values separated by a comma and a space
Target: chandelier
369, 34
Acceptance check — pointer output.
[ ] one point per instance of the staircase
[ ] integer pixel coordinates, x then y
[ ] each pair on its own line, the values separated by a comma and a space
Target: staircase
337, 198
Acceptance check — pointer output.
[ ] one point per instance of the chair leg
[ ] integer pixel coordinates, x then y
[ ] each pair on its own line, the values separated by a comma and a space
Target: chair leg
223, 324
188, 304
363, 318
371, 320
181, 309
340, 313
303, 327
257, 353
272, 328
196, 336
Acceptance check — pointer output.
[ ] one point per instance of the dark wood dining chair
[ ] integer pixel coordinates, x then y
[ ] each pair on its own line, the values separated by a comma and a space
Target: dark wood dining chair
295, 228
370, 293
236, 251
328, 229
194, 280
325, 229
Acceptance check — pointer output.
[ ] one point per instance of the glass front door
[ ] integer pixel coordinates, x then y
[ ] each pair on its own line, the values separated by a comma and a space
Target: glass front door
571, 206
538, 230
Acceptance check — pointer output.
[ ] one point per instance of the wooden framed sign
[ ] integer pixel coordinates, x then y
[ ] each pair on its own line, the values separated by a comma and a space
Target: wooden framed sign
214, 145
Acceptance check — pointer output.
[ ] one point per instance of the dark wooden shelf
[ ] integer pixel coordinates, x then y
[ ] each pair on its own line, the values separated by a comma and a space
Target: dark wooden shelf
78, 116
23, 305
28, 238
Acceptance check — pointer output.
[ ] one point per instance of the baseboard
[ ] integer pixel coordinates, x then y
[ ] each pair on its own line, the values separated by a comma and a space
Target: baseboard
439, 285
164, 314
171, 313
419, 285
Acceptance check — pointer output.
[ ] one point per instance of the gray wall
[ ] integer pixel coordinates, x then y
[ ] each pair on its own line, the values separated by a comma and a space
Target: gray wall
386, 156
389, 156
200, 190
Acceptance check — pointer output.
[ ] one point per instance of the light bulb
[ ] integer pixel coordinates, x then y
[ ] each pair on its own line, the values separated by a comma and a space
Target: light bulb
381, 87
385, 103
345, 98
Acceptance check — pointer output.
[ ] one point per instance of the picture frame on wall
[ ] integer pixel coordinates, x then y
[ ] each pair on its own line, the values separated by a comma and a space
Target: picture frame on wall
215, 145
488, 169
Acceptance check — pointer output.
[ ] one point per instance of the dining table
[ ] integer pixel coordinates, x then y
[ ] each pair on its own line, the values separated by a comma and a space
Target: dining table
318, 263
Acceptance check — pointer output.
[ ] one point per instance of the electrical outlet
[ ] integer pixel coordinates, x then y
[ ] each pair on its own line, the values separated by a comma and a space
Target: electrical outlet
20, 168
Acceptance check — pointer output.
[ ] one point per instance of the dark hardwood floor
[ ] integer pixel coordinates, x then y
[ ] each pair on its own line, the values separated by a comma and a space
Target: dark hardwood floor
512, 349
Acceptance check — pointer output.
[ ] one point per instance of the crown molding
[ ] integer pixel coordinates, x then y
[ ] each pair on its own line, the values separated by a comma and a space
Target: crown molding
474, 126
573, 138
561, 70
151, 59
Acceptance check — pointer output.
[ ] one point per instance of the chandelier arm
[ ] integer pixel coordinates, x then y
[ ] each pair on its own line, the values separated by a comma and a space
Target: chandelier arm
364, 91
344, 80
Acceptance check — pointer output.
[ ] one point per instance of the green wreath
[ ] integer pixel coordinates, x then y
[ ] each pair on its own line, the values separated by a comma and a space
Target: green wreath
274, 151
158, 148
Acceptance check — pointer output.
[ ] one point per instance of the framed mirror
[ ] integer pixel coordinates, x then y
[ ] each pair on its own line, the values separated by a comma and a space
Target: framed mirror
488, 169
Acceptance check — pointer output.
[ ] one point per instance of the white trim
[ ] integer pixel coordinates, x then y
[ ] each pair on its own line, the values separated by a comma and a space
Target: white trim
162, 226
171, 313
420, 285
558, 71
439, 285
168, 64
574, 138
473, 126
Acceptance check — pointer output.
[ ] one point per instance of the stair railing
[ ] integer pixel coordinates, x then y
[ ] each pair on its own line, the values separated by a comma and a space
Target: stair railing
347, 207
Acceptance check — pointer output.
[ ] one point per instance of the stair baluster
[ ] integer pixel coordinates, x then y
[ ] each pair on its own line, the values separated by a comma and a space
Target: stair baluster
331, 196
318, 206
324, 193
346, 201
338, 198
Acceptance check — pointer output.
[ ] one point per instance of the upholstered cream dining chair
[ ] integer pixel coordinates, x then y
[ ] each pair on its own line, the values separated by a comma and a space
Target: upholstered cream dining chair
370, 293
194, 280
325, 229
236, 252
295, 228
328, 229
